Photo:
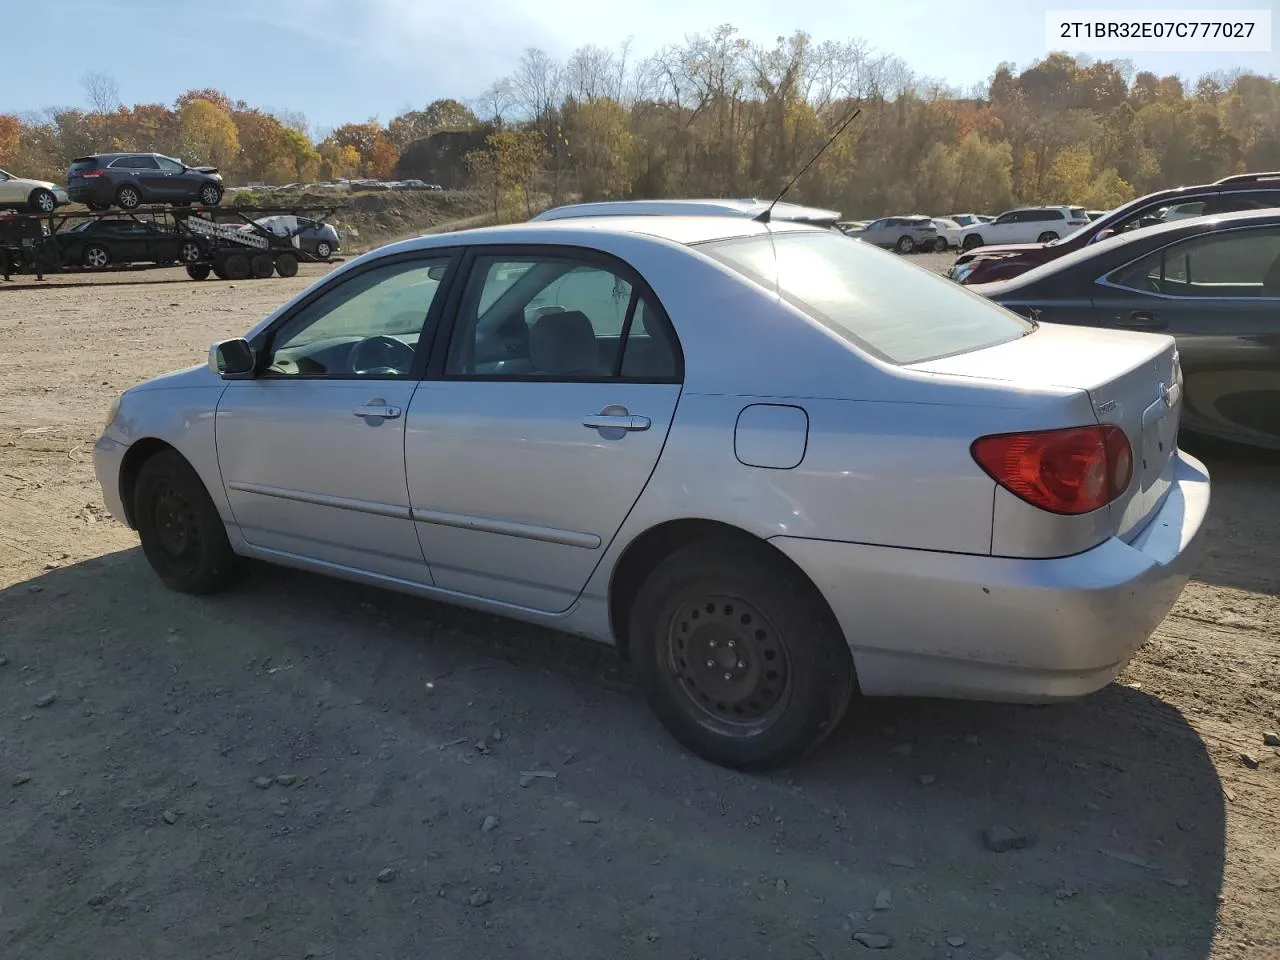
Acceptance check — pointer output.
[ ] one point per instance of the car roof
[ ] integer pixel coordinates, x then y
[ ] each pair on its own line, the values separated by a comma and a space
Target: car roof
745, 208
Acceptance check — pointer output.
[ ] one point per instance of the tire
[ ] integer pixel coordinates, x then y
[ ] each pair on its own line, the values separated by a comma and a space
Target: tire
970, 241
42, 201
219, 272
128, 197
198, 271
1047, 237
287, 265
905, 245
97, 206
210, 195
323, 250
794, 677
190, 252
262, 266
183, 538
96, 256
940, 245
237, 267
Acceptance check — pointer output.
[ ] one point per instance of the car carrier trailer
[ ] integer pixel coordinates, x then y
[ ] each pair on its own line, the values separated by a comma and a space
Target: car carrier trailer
231, 244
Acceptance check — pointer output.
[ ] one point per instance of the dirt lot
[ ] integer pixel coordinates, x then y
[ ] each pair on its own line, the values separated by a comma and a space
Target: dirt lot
302, 768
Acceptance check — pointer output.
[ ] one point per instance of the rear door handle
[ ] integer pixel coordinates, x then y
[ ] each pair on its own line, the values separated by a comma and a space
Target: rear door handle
607, 422
377, 410
1142, 320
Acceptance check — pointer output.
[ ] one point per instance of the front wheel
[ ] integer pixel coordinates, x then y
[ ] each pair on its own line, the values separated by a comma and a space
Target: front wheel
940, 245
323, 250
198, 271
42, 201
96, 256
128, 198
210, 195
739, 656
182, 535
971, 241
1047, 237
190, 252
905, 244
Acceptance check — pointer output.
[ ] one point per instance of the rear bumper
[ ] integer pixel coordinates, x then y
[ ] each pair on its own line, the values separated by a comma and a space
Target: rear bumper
993, 628
99, 189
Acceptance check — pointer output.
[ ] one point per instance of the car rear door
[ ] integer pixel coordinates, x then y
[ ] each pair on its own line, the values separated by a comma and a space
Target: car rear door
540, 425
1218, 294
311, 450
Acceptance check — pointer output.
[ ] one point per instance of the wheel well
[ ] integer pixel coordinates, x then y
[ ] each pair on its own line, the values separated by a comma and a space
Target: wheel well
646, 551
138, 453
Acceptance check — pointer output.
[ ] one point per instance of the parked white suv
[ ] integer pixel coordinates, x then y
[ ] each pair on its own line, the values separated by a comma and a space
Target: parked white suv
1026, 225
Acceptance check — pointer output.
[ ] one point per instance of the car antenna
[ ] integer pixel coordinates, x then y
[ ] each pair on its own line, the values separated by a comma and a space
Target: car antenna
764, 214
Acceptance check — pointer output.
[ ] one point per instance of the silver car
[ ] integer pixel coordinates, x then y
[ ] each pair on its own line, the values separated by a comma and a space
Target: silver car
904, 234
773, 467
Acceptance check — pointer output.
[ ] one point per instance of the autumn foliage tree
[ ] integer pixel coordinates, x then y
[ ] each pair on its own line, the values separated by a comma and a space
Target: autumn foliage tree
208, 134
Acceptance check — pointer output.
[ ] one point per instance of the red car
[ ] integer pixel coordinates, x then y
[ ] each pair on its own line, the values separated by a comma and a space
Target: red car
1247, 191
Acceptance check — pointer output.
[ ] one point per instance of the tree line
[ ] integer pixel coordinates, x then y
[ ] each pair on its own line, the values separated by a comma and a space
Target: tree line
720, 115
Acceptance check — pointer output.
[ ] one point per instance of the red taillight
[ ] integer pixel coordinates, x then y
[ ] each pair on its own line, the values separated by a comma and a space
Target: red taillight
1070, 471
92, 173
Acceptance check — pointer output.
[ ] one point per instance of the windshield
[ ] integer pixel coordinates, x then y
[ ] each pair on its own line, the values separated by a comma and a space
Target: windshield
898, 312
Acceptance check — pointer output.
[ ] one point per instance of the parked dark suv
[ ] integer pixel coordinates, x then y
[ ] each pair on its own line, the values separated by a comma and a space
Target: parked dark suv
130, 179
1247, 191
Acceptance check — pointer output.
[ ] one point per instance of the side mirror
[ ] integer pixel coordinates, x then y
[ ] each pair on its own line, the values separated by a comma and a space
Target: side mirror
232, 359
1103, 234
436, 273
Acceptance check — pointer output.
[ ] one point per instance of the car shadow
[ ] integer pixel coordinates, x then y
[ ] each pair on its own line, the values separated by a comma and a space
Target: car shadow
172, 704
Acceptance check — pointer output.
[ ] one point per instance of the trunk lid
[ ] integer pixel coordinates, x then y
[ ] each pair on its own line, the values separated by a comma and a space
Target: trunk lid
1133, 381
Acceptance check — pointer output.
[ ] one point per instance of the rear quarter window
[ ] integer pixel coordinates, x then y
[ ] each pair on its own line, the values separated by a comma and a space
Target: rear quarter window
898, 312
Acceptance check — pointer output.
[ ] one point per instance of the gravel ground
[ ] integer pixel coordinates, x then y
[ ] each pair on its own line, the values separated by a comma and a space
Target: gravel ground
303, 768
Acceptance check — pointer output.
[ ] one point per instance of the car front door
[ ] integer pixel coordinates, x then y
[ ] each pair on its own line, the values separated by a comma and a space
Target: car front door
540, 425
1219, 296
166, 180
311, 449
125, 240
1002, 229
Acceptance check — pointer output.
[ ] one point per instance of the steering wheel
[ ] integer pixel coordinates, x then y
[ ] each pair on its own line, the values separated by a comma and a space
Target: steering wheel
381, 356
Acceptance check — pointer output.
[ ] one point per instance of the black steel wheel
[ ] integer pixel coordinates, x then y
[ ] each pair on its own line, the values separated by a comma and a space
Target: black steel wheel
128, 197
182, 535
237, 267
198, 271
287, 265
42, 201
96, 256
262, 266
210, 195
739, 655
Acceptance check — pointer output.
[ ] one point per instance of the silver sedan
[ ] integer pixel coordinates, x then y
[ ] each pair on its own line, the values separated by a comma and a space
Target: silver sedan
776, 469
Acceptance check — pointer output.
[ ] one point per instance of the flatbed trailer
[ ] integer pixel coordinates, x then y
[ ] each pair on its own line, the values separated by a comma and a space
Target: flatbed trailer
231, 244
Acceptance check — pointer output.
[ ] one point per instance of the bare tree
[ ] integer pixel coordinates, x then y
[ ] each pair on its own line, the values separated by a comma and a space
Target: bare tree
496, 101
537, 84
102, 91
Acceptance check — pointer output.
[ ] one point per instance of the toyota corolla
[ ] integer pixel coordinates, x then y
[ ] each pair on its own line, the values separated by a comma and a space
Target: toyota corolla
775, 468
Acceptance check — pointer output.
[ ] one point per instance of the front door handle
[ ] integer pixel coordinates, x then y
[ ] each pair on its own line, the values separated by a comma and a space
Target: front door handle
1142, 320
603, 421
377, 410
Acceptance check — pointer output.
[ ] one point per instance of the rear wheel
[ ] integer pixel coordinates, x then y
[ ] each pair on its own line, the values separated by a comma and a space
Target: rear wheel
237, 267
971, 241
182, 535
940, 245
96, 256
739, 656
210, 195
42, 201
198, 271
1047, 237
905, 244
128, 197
287, 265
262, 266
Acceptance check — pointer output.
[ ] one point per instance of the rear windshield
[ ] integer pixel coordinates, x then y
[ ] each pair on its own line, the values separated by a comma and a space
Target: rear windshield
896, 311
1077, 213
84, 163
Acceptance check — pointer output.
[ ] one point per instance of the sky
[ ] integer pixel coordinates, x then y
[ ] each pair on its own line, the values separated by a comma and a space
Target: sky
349, 60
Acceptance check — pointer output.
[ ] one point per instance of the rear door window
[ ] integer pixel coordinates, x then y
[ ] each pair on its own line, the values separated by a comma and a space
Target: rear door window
1239, 264
882, 304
